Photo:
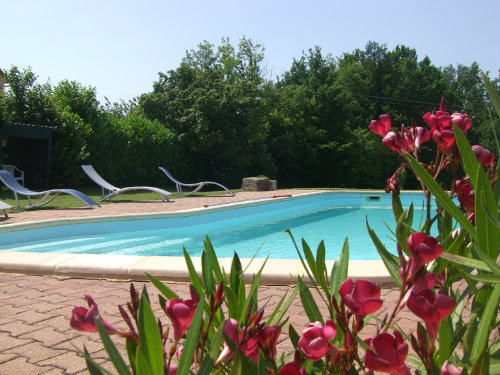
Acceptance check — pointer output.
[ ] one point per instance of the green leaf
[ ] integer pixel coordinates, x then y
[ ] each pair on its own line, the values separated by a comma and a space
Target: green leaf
213, 257
192, 338
294, 336
492, 92
310, 258
466, 261
444, 341
489, 279
283, 311
483, 331
114, 355
440, 195
397, 207
131, 346
252, 293
340, 270
150, 350
165, 290
207, 272
391, 261
320, 266
195, 279
233, 303
93, 367
310, 307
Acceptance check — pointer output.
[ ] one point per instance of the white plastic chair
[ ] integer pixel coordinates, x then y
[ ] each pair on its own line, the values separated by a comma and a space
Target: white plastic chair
197, 186
15, 171
113, 190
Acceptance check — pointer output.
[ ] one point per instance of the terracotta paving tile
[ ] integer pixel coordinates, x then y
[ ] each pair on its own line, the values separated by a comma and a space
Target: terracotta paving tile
17, 328
4, 357
7, 342
20, 365
35, 352
68, 362
49, 336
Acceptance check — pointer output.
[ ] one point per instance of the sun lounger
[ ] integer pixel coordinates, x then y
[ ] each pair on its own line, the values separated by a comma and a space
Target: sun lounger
3, 207
197, 186
113, 190
10, 182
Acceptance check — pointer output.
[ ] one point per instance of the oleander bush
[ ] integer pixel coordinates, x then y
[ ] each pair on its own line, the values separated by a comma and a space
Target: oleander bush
450, 283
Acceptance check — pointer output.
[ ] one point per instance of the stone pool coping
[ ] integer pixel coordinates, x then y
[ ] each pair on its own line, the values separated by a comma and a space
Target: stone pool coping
276, 271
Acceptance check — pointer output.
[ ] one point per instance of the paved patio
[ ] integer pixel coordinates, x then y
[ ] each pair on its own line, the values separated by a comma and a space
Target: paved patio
35, 336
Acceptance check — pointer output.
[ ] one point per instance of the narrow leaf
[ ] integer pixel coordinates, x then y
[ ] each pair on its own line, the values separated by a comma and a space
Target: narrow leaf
165, 290
310, 306
440, 195
191, 342
391, 261
113, 353
483, 331
150, 360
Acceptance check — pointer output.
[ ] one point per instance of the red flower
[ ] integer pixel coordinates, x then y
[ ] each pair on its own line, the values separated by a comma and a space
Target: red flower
381, 127
267, 340
315, 340
391, 140
82, 319
450, 369
462, 121
465, 195
293, 368
419, 136
484, 156
423, 249
181, 312
430, 309
390, 354
362, 298
243, 338
445, 139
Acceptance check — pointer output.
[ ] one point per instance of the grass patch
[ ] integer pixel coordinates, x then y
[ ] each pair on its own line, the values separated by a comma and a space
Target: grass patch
68, 201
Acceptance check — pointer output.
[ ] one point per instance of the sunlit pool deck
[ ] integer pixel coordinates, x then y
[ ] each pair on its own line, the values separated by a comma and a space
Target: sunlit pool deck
276, 271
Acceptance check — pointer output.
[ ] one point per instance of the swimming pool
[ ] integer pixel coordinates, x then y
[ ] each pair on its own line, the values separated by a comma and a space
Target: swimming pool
328, 216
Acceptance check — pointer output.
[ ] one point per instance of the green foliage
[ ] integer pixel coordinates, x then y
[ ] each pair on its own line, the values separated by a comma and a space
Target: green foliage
218, 116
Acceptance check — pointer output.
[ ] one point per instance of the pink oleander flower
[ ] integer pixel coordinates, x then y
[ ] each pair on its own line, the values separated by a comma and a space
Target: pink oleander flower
267, 340
82, 319
172, 369
465, 195
484, 156
427, 282
450, 369
462, 121
293, 368
420, 136
445, 139
381, 127
362, 297
423, 249
389, 354
391, 140
248, 343
315, 340
181, 313
430, 309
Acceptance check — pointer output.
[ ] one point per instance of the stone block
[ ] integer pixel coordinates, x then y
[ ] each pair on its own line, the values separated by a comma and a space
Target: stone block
256, 184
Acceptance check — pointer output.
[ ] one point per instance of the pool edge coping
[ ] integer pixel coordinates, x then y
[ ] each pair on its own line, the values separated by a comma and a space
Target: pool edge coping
167, 268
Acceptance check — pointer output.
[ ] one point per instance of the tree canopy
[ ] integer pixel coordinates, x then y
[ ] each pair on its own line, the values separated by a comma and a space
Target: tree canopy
219, 117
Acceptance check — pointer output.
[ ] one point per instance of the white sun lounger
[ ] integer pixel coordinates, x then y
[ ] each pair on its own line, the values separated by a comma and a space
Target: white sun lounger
113, 190
197, 185
3, 207
10, 182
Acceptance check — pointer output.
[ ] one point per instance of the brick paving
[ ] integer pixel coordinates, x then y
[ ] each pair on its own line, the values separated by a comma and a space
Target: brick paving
35, 335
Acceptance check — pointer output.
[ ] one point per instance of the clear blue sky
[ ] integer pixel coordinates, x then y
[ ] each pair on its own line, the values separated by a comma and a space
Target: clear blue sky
119, 47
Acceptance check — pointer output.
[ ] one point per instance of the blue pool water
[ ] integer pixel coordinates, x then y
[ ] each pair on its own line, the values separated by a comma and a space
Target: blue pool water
329, 216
